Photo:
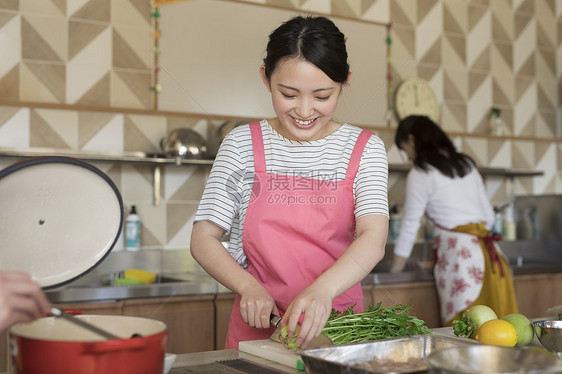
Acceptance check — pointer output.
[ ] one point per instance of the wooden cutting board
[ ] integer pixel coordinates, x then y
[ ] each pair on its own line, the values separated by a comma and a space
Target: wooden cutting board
272, 351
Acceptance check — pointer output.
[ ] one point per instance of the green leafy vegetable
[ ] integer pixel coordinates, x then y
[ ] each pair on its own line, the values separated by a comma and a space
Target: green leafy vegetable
374, 323
463, 326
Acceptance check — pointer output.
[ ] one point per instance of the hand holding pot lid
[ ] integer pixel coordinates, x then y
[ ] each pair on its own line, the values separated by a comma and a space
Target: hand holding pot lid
21, 299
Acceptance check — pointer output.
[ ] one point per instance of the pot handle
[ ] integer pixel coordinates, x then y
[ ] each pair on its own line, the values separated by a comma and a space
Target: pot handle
113, 345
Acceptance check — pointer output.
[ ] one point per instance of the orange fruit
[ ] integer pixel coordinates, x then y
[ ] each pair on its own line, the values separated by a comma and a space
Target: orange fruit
497, 332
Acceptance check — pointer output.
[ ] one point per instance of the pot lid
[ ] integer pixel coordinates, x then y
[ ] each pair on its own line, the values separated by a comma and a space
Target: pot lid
59, 218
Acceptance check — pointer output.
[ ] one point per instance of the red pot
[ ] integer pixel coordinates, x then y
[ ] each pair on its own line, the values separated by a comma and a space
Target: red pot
54, 346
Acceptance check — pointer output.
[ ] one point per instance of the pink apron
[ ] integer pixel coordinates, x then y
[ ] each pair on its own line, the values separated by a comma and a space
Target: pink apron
295, 229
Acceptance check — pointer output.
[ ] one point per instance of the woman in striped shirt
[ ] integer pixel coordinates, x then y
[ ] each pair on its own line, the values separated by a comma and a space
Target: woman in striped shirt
303, 197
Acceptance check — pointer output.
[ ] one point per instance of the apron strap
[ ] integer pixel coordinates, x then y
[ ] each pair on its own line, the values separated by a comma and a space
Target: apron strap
257, 145
355, 158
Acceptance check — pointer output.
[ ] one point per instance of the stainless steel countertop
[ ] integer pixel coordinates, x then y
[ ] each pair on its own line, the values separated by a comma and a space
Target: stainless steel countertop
185, 284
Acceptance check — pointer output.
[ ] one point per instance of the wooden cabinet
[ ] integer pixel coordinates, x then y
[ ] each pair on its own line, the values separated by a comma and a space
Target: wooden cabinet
538, 292
190, 322
4, 352
223, 308
423, 295
109, 308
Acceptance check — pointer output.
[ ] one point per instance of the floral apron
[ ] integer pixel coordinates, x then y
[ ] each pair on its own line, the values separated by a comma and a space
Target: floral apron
295, 229
471, 270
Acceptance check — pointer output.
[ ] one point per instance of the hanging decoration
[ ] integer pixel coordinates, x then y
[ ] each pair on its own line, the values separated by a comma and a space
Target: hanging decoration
156, 88
389, 90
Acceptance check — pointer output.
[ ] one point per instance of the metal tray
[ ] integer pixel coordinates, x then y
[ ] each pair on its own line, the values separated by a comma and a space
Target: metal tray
399, 355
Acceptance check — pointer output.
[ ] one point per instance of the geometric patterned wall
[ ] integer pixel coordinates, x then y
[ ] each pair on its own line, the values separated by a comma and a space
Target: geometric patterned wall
84, 52
99, 53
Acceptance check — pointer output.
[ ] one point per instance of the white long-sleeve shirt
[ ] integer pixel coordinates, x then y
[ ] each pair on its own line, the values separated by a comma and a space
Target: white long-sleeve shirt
449, 202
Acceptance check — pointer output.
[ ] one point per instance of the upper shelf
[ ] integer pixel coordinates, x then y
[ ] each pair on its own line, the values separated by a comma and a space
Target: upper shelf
501, 172
144, 159
127, 157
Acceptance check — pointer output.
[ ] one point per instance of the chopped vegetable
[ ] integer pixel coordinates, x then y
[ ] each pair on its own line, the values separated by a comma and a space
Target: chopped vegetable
289, 343
374, 323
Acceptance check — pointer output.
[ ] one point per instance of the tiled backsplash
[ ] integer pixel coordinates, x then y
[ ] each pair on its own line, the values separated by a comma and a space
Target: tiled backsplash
476, 54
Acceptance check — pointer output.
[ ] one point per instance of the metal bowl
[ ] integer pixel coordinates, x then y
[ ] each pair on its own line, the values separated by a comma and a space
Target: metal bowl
549, 334
184, 143
493, 360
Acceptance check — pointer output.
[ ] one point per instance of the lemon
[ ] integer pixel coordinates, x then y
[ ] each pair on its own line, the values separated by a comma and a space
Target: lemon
497, 332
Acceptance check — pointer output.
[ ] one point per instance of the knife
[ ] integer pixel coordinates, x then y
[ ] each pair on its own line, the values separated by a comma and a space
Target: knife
318, 342
275, 321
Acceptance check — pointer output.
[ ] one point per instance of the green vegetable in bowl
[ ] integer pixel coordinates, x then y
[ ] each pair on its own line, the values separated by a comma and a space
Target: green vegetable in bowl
375, 323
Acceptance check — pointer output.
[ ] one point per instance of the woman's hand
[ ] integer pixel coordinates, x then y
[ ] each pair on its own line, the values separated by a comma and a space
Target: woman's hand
398, 264
256, 306
21, 299
315, 304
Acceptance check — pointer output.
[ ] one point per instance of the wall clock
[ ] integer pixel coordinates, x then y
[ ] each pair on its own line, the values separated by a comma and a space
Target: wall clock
415, 96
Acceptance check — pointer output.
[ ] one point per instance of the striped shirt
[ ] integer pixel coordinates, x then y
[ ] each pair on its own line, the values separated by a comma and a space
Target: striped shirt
227, 193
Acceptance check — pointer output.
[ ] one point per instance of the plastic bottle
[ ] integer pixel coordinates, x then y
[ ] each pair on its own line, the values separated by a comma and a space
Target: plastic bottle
132, 231
525, 229
509, 227
394, 224
496, 123
498, 221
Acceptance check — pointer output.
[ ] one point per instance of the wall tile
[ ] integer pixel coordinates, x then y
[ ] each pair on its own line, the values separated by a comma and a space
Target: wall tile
42, 82
51, 8
455, 16
132, 48
108, 138
10, 40
502, 26
93, 10
54, 129
455, 85
403, 12
179, 218
14, 128
132, 13
44, 38
131, 89
503, 89
90, 66
501, 58
9, 4
454, 51
453, 117
479, 35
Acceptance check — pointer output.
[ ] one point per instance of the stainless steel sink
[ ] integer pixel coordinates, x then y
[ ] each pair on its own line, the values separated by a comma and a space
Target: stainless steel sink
92, 282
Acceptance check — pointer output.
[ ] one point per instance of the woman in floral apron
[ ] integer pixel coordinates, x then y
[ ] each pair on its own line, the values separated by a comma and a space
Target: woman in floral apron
445, 186
303, 197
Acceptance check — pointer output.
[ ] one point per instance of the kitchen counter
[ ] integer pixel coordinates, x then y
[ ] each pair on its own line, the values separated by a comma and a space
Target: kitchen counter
186, 363
184, 284
198, 362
